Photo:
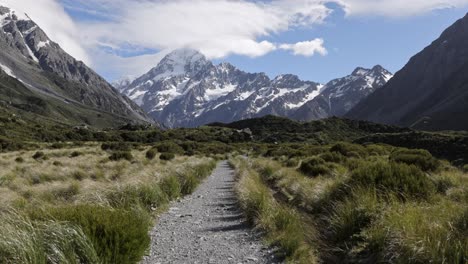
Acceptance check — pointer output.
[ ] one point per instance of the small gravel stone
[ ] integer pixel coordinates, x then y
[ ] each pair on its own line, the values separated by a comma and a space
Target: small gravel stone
207, 227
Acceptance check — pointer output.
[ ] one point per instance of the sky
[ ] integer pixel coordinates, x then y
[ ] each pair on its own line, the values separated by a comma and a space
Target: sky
317, 40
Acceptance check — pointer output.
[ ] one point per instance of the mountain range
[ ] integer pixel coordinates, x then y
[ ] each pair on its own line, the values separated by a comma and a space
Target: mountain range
187, 90
430, 92
38, 77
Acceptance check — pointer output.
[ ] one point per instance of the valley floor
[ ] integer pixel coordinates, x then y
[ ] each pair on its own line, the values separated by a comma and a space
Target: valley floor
207, 227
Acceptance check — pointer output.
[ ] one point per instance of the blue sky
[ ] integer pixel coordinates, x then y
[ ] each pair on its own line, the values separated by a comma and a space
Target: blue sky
354, 33
352, 42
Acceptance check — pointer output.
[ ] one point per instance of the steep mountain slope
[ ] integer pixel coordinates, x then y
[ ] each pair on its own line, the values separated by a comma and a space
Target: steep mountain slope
185, 90
68, 90
431, 91
340, 95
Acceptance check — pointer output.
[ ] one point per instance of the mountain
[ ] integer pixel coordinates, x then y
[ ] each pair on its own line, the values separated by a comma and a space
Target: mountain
39, 78
430, 92
341, 95
187, 90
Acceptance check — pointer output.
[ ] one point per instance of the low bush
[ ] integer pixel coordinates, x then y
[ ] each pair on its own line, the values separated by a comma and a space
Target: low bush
58, 145
19, 160
117, 235
169, 147
166, 156
121, 155
333, 157
314, 167
465, 168
349, 150
39, 155
116, 146
151, 154
418, 157
57, 163
75, 154
401, 179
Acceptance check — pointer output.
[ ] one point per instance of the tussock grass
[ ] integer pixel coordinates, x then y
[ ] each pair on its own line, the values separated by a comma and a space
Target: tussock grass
23, 240
282, 224
369, 209
110, 204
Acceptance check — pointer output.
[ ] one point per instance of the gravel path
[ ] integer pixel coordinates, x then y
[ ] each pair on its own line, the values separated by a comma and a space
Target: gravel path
207, 227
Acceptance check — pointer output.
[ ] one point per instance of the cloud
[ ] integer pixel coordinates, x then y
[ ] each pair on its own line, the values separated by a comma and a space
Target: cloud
397, 8
217, 28
306, 48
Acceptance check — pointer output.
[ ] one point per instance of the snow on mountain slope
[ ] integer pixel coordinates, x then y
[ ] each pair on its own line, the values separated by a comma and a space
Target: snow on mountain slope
185, 90
341, 95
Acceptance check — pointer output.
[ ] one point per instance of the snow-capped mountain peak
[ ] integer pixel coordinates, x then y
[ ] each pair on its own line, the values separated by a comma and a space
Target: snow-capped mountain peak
186, 89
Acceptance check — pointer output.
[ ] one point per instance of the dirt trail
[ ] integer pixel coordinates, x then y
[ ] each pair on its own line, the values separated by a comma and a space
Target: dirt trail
207, 227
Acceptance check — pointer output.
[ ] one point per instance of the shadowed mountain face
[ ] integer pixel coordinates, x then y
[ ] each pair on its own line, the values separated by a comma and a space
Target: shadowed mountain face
186, 90
431, 91
52, 82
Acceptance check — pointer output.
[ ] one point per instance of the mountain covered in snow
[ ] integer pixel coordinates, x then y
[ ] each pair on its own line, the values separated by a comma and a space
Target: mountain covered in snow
187, 90
39, 77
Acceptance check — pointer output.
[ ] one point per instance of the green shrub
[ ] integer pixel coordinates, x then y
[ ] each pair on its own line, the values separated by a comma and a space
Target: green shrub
169, 147
418, 157
39, 155
315, 166
404, 180
120, 155
58, 145
293, 162
57, 163
349, 150
116, 146
333, 157
166, 156
465, 168
151, 154
75, 154
378, 150
118, 236
19, 160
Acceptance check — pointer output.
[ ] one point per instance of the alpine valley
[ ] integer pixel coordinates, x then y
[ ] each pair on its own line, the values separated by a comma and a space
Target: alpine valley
187, 90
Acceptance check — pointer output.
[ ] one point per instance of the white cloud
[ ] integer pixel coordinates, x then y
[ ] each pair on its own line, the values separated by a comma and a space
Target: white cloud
217, 28
397, 8
306, 48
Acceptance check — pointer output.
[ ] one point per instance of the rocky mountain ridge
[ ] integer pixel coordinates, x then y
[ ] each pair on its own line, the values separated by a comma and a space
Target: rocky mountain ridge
187, 90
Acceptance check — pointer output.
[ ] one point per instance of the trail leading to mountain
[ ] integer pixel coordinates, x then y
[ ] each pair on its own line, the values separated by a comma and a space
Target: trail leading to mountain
207, 227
